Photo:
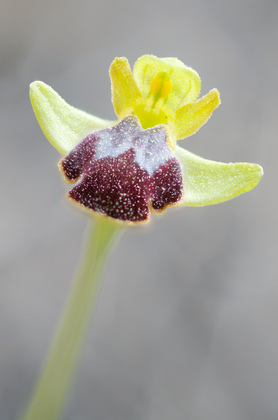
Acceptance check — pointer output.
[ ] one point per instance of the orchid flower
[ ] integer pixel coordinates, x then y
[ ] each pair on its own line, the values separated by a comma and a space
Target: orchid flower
128, 167
124, 169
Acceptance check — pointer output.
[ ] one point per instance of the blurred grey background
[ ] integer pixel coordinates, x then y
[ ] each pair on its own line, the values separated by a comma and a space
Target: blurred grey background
186, 325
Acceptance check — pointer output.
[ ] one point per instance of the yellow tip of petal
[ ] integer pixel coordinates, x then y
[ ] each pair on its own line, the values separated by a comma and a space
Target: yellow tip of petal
124, 88
192, 116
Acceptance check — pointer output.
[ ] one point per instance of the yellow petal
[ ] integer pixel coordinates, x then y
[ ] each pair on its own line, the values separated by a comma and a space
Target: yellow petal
124, 88
192, 116
63, 125
186, 83
208, 182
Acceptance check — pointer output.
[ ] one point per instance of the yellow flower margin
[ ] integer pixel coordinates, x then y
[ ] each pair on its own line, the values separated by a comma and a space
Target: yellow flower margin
158, 91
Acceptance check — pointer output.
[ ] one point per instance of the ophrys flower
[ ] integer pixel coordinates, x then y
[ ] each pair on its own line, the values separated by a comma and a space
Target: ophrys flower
124, 168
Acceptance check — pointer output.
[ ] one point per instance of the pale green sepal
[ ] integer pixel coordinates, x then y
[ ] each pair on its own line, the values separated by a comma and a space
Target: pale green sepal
63, 125
208, 182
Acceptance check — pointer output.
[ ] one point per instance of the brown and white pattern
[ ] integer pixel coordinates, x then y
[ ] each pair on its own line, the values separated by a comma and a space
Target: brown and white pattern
124, 170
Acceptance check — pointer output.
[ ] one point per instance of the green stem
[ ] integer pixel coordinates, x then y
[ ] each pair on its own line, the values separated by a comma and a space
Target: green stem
50, 394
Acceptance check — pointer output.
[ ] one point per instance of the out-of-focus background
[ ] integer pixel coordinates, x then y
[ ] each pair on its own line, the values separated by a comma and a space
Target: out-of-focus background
186, 325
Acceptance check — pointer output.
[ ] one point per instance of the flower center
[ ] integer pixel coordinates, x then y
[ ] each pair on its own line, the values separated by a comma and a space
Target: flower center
160, 89
152, 111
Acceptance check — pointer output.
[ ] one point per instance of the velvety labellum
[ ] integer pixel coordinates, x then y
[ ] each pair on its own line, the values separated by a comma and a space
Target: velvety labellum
123, 170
